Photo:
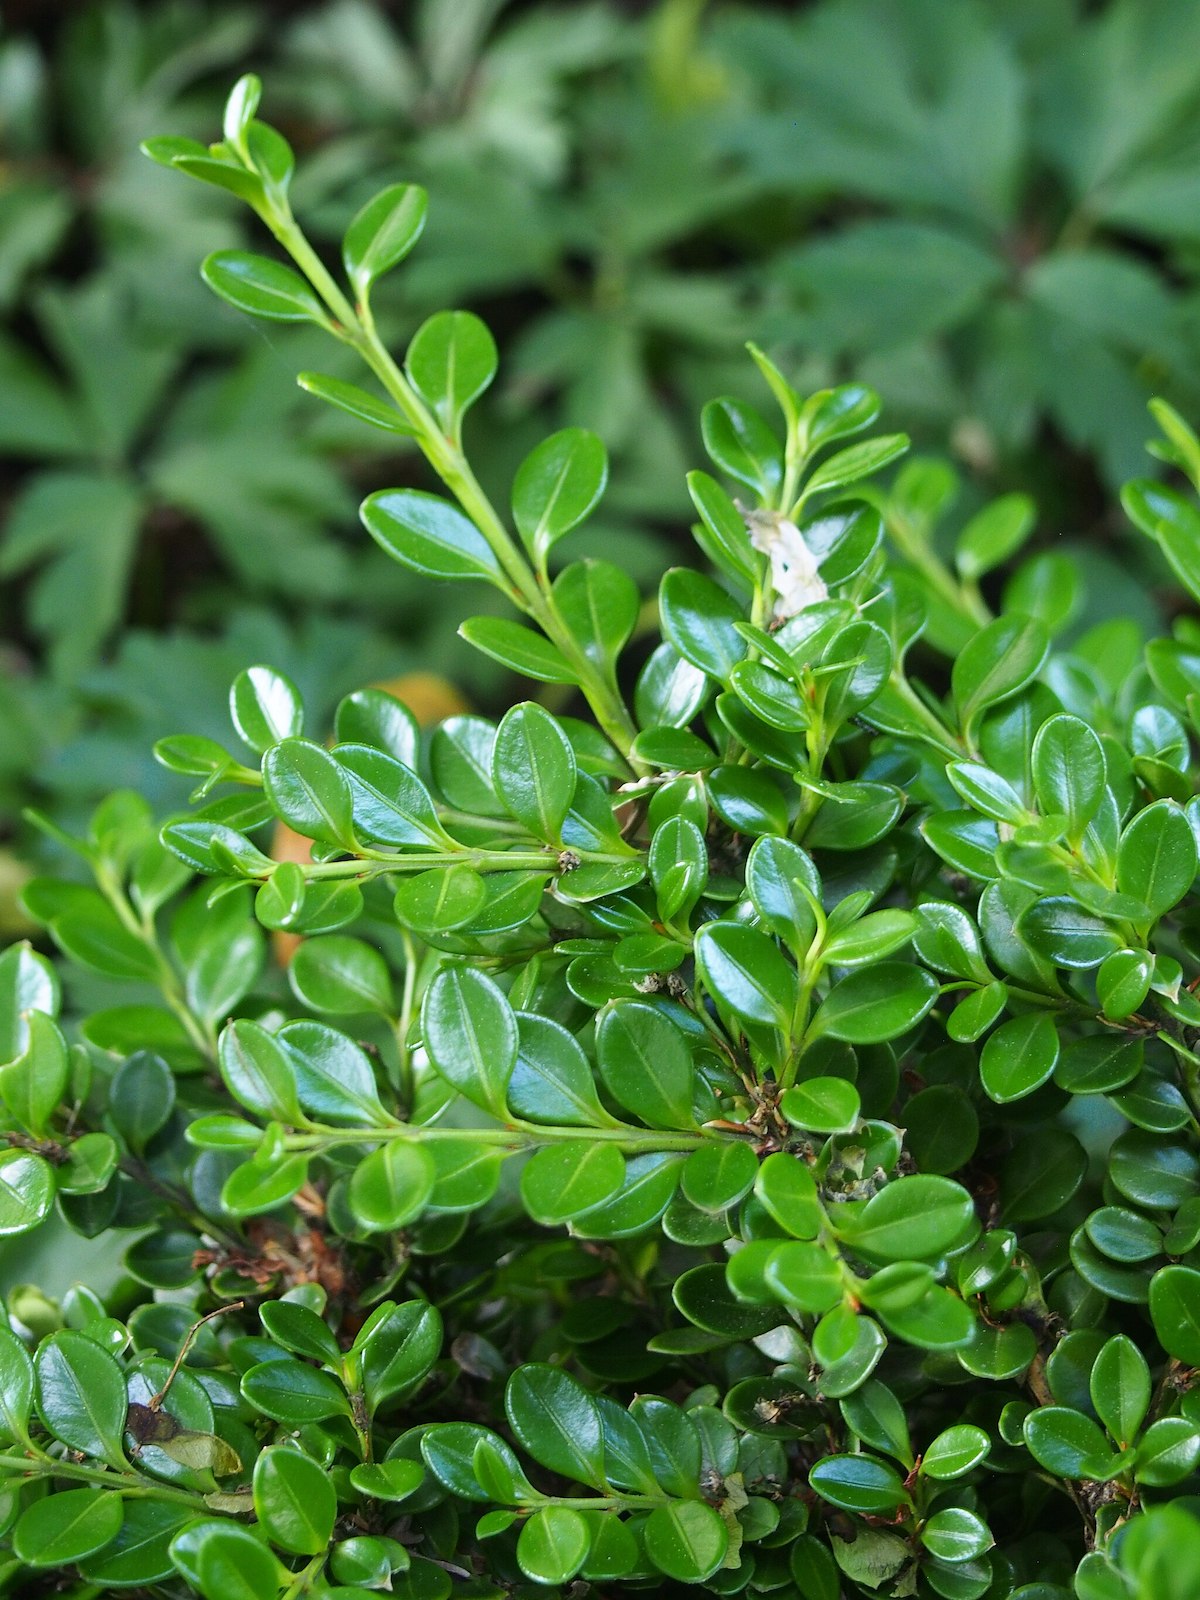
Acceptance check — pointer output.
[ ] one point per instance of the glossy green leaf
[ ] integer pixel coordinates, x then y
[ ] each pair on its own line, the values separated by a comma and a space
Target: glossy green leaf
875, 1004
1157, 859
383, 233
340, 976
646, 1064
293, 1393
518, 648
80, 1395
1120, 1388
556, 1421
998, 662
428, 535
558, 484
553, 1544
568, 1180
262, 287
471, 1035
63, 1528
309, 790
27, 1189
534, 770
913, 1218
686, 1540
1175, 1311
1019, 1057
821, 1105
1066, 1442
27, 983
858, 1483
294, 1501
392, 1185
450, 362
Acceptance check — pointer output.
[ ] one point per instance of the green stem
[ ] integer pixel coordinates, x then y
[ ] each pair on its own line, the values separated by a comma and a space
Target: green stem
167, 979
128, 1484
518, 1136
445, 455
917, 553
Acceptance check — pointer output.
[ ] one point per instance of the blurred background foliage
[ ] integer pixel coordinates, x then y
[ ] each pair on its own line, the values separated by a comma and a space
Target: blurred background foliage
989, 210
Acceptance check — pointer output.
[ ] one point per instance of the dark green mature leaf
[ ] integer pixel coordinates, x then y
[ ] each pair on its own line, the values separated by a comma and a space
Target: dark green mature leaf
62, 1529
553, 1544
1157, 859
1066, 1442
334, 1080
1019, 1057
518, 648
1175, 1311
80, 1394
859, 1483
744, 972
293, 1393
16, 1386
878, 1003
686, 1540
309, 791
912, 1219
294, 1501
568, 1180
340, 976
391, 1186
646, 1064
557, 1421
998, 662
533, 770
471, 1035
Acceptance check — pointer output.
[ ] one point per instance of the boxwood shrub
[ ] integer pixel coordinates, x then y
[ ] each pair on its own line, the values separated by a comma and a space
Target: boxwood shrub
730, 1123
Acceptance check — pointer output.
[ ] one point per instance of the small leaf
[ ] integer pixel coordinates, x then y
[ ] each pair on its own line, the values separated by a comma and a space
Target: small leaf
553, 1544
565, 1181
26, 1191
646, 1064
262, 287
265, 708
391, 1186
428, 535
557, 486
994, 534
1019, 1057
520, 649
1175, 1312
998, 662
686, 1540
450, 362
383, 233
309, 791
81, 1397
341, 976
63, 1528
